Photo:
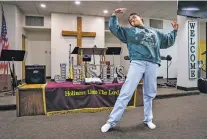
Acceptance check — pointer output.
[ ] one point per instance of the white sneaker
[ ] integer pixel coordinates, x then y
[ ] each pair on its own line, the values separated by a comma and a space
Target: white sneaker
105, 127
151, 125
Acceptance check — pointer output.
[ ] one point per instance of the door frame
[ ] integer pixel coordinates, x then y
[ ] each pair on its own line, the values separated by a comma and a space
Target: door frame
23, 62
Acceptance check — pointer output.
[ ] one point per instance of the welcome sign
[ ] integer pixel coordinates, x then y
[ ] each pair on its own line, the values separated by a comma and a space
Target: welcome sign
192, 48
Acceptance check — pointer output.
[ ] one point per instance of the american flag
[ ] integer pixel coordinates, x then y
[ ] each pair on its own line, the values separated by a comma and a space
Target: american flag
4, 43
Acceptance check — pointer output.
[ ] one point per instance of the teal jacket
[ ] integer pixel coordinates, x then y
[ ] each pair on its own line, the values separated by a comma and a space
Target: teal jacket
143, 43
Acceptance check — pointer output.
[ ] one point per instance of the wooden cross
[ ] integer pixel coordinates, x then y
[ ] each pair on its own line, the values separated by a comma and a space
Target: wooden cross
79, 34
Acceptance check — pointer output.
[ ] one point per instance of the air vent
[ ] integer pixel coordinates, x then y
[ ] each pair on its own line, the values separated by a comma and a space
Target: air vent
156, 23
34, 21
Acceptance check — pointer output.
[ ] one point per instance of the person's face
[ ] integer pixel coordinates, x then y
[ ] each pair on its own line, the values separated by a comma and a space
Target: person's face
135, 20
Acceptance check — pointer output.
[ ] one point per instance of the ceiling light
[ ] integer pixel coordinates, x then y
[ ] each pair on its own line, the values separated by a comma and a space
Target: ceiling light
43, 5
105, 11
191, 9
77, 2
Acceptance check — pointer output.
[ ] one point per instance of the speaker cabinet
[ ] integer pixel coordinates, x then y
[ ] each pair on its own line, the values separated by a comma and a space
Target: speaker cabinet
202, 85
35, 74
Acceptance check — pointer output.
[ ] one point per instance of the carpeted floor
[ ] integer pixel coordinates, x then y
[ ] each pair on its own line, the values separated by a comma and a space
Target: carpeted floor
176, 118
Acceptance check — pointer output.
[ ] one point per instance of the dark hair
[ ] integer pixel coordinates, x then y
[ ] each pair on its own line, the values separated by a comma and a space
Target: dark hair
134, 14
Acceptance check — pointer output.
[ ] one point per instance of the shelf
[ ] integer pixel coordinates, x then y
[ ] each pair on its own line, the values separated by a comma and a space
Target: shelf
34, 28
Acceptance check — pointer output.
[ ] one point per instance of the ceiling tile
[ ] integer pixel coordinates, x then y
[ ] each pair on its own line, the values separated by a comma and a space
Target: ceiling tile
133, 10
161, 12
115, 5
10, 2
146, 4
27, 7
149, 13
145, 8
85, 4
172, 16
57, 7
25, 4
55, 2
30, 9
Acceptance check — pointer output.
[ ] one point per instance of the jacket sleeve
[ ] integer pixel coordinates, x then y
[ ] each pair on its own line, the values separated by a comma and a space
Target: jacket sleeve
167, 40
117, 30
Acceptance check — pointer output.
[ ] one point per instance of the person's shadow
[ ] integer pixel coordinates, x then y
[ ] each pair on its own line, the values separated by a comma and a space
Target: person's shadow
140, 127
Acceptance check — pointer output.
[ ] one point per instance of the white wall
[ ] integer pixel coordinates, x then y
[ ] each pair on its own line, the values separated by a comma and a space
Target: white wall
183, 62
60, 44
19, 32
162, 72
9, 13
14, 20
10, 16
38, 44
39, 49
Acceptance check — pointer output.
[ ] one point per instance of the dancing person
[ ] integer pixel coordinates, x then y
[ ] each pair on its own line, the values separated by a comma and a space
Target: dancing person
144, 46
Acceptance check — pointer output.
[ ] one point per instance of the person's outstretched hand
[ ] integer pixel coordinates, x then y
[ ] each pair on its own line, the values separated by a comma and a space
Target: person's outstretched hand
119, 11
175, 25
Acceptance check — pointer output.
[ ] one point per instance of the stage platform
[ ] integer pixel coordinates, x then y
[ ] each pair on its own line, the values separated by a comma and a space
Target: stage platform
58, 98
8, 102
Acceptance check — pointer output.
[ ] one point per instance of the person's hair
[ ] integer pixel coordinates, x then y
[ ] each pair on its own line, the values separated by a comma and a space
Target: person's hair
134, 14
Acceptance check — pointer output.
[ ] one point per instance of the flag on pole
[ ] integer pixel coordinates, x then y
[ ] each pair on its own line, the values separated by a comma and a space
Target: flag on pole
4, 43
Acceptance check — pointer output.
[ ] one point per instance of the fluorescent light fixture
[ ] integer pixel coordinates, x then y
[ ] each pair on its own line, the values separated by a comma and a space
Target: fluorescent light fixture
77, 2
43, 5
105, 11
190, 9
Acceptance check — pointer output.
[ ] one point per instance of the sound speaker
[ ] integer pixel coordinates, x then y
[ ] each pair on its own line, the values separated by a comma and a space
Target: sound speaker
35, 74
202, 85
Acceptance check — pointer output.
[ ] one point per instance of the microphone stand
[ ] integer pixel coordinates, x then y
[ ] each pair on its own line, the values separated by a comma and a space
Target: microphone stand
13, 75
167, 71
94, 55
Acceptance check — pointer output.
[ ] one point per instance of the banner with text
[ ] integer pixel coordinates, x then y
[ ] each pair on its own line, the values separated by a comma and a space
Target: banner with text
192, 48
86, 96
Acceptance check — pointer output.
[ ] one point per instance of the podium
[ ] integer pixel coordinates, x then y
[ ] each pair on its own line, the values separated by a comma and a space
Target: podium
12, 55
113, 51
90, 51
102, 52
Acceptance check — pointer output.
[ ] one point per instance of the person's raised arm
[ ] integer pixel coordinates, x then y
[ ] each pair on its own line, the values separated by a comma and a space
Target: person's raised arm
114, 26
168, 40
